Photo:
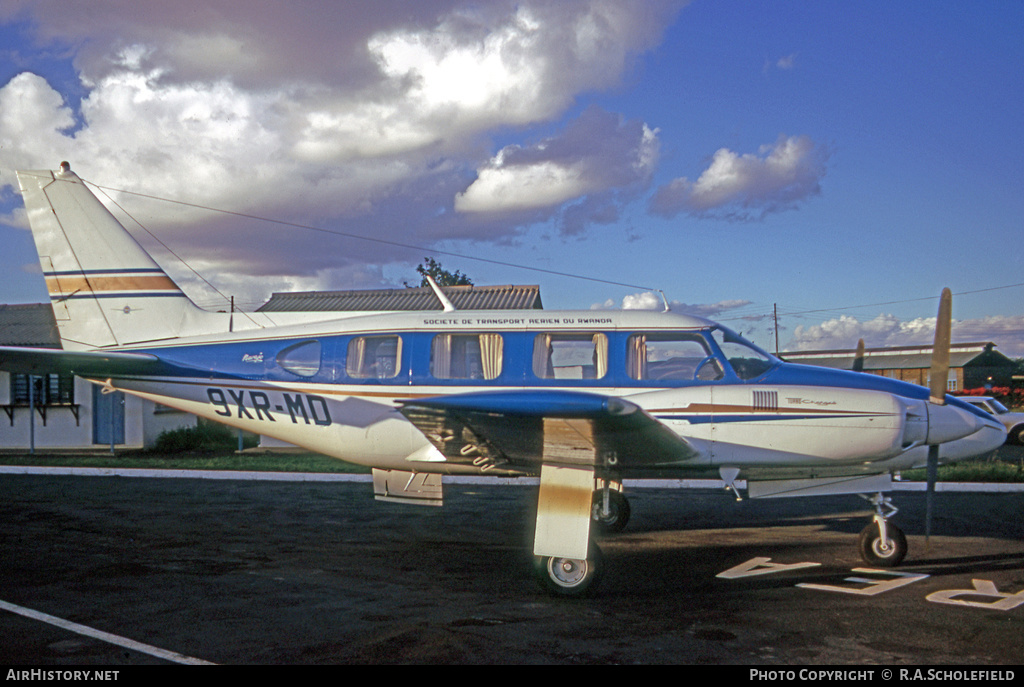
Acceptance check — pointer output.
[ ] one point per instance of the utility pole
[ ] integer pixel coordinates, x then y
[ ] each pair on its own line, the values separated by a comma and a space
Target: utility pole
775, 312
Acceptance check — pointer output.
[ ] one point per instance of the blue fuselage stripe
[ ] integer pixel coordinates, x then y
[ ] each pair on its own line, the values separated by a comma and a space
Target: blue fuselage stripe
721, 418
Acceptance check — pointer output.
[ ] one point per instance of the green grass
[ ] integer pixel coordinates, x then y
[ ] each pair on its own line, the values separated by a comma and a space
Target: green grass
204, 436
977, 471
1008, 467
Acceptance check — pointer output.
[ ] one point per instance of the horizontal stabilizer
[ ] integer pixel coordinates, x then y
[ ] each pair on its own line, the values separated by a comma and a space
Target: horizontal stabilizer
82, 363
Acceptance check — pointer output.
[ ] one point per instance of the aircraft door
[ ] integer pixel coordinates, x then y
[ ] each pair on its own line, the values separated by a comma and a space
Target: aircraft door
712, 425
332, 361
107, 417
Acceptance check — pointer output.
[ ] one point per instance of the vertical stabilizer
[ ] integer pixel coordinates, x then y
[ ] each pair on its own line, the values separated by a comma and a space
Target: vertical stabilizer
104, 288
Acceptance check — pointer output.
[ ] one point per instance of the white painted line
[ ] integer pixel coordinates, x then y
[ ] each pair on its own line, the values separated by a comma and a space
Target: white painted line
454, 479
105, 636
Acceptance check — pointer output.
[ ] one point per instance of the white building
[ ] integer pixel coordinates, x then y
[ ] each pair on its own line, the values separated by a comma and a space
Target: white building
61, 412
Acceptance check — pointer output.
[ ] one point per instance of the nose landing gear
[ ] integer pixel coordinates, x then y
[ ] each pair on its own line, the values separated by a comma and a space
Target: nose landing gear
881, 543
610, 510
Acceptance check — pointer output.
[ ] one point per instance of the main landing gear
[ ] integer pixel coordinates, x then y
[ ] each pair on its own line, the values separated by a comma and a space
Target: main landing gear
570, 577
575, 577
881, 543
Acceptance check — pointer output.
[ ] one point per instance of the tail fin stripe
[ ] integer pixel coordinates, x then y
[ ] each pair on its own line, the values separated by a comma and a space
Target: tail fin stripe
127, 284
123, 270
115, 294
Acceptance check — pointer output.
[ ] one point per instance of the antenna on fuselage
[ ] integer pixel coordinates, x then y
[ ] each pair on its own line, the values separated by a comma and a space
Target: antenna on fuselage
664, 300
447, 304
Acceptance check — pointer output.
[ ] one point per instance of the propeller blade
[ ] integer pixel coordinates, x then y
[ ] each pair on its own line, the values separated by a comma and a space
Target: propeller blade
858, 358
937, 389
932, 475
940, 351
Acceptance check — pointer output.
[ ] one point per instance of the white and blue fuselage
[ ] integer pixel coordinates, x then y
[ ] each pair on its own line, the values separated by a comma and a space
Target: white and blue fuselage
336, 387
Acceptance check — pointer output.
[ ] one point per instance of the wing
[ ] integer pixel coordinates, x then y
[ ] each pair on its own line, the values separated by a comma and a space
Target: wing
564, 436
82, 363
527, 429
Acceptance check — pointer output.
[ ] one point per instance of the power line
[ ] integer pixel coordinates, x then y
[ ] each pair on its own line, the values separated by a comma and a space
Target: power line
908, 300
796, 313
371, 239
747, 314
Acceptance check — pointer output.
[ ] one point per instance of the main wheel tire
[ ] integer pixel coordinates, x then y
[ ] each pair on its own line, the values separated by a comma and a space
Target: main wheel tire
886, 554
570, 577
618, 511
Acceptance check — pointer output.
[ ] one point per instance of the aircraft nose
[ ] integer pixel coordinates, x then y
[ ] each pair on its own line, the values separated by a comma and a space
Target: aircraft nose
949, 422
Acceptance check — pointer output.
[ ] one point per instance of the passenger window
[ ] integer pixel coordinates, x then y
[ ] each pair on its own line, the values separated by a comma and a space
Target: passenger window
302, 359
570, 356
671, 357
373, 357
466, 356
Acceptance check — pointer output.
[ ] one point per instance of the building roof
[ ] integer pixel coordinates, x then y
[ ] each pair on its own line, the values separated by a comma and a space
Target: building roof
892, 358
30, 324
420, 298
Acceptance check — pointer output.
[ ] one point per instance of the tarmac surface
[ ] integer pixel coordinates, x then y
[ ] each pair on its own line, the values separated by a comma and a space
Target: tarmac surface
259, 572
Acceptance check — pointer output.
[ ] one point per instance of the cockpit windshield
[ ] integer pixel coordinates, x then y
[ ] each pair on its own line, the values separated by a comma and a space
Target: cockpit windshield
747, 360
998, 407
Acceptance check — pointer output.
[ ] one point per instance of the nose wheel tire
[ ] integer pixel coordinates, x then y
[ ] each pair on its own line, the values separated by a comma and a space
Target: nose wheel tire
883, 554
570, 577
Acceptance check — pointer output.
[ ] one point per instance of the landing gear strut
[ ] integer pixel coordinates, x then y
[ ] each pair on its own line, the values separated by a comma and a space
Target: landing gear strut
881, 543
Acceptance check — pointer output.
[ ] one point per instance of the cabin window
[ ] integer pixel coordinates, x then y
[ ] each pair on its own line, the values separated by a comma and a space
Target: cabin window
466, 356
746, 361
570, 356
302, 359
671, 357
373, 357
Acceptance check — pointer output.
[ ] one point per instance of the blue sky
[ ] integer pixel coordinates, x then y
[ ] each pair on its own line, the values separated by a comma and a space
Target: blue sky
841, 162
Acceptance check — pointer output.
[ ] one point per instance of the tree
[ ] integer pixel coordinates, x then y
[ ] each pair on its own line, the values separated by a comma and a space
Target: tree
432, 268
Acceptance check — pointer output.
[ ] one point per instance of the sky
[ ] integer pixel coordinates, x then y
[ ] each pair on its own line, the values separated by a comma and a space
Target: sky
815, 171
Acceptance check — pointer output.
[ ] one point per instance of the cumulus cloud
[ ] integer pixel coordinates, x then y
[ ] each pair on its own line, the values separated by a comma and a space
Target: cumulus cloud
748, 186
372, 118
786, 63
32, 111
597, 152
887, 330
651, 300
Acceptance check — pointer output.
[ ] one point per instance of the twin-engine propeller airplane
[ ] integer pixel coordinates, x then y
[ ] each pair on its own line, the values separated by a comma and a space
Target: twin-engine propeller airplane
582, 399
